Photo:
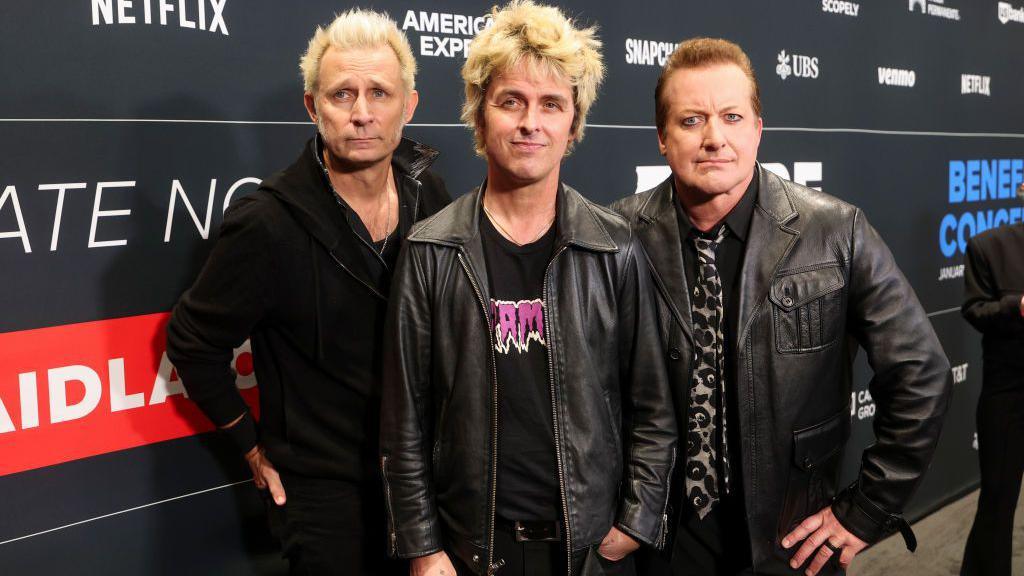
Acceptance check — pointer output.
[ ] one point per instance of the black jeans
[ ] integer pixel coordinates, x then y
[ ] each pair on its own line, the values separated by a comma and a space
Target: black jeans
1000, 420
544, 559
332, 527
718, 545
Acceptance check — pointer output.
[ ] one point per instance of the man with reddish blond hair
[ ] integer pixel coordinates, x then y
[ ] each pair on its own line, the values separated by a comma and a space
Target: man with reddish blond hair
767, 287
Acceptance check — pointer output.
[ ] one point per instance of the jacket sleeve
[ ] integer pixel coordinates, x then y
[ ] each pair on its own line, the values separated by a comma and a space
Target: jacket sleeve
650, 424
983, 307
911, 386
217, 314
413, 527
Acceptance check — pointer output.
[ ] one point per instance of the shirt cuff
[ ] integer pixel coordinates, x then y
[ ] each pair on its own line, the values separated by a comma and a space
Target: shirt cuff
243, 435
866, 520
1010, 304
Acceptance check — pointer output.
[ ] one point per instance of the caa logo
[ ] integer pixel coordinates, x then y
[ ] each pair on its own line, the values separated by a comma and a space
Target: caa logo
445, 35
191, 14
797, 65
806, 173
935, 8
1007, 13
896, 77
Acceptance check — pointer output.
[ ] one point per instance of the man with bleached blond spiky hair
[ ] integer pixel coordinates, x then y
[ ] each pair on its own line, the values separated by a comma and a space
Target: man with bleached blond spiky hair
302, 267
526, 420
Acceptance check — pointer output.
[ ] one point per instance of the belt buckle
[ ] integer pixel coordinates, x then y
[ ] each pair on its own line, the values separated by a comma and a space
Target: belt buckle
527, 531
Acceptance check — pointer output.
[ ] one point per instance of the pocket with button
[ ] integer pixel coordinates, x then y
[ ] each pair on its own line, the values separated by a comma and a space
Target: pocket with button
814, 469
807, 309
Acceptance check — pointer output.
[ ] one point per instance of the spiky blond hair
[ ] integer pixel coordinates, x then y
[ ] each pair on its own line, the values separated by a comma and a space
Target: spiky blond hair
357, 28
542, 38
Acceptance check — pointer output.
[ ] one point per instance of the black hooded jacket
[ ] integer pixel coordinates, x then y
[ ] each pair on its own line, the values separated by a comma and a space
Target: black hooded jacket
289, 272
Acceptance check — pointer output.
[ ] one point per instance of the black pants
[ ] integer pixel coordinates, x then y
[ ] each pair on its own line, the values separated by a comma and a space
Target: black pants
544, 559
332, 527
715, 546
1000, 420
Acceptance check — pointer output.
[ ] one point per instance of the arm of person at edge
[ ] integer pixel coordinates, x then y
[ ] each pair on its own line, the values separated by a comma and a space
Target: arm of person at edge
912, 385
264, 475
231, 294
983, 306
414, 530
648, 414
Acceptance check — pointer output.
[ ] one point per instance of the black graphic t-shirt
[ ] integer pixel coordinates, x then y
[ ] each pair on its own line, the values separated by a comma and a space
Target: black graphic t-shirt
527, 469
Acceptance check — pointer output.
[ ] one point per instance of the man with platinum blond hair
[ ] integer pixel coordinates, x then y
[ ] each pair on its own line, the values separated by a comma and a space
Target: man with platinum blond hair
527, 425
302, 267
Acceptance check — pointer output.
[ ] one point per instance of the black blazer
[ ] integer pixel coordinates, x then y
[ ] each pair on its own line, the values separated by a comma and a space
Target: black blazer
993, 287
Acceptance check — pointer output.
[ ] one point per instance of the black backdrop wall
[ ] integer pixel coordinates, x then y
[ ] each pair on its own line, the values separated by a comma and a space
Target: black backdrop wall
127, 126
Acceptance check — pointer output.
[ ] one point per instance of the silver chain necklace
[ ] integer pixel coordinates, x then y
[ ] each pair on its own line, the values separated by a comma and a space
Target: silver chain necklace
387, 201
387, 223
508, 234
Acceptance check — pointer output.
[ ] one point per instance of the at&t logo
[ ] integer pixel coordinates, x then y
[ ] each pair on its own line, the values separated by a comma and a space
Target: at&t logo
797, 65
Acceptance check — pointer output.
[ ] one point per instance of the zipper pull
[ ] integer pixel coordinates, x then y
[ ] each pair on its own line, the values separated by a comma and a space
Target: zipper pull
664, 532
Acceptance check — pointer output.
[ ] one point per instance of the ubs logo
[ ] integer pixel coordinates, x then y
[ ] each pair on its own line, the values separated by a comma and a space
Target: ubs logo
796, 65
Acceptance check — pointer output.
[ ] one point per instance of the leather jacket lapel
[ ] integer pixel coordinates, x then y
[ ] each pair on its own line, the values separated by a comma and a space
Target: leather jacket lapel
768, 243
659, 233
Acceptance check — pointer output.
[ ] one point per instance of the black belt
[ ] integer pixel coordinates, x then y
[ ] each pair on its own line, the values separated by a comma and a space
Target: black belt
533, 530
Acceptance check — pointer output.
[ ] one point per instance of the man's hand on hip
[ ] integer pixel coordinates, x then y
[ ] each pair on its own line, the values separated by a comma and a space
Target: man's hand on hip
264, 475
436, 564
826, 536
616, 545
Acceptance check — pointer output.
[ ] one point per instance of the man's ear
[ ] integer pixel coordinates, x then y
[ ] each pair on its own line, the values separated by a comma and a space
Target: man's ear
411, 101
661, 143
310, 103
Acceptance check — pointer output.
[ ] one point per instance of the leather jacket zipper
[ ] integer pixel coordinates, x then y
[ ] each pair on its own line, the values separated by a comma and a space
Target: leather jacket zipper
492, 566
392, 533
554, 420
664, 509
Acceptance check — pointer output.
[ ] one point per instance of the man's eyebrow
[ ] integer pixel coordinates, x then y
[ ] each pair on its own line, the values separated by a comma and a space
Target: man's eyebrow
509, 92
556, 97
373, 80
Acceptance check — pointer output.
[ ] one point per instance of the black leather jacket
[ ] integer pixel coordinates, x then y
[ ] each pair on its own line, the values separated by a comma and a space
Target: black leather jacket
614, 426
817, 280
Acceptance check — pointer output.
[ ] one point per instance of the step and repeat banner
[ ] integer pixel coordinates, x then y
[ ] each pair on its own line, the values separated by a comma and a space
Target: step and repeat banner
129, 125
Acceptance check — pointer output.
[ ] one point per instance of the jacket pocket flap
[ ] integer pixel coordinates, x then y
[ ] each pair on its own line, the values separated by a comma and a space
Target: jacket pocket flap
815, 444
796, 289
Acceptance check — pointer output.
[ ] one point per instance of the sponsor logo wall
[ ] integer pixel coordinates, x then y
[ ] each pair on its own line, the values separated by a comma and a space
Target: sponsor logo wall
130, 125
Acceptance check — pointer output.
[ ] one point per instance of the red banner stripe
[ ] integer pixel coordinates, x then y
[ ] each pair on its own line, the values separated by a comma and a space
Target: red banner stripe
79, 390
